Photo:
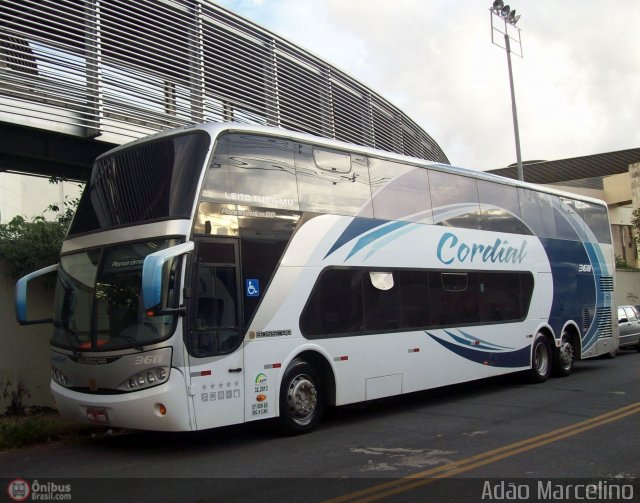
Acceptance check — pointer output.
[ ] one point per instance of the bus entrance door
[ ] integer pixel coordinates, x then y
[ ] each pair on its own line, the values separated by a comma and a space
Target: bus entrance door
215, 335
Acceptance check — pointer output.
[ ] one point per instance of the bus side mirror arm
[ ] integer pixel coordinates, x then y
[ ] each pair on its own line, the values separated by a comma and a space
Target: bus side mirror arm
152, 270
21, 296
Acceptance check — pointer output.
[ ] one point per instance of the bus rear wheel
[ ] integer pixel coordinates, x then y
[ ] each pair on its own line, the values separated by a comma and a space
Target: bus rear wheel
564, 357
540, 359
301, 399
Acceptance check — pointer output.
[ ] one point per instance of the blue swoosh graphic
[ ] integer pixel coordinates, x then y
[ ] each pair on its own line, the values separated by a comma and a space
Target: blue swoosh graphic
474, 341
507, 359
360, 226
375, 235
357, 227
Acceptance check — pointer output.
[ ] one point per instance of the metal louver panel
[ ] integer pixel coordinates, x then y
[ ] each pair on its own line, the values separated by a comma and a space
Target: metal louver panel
586, 318
604, 323
120, 70
606, 284
128, 186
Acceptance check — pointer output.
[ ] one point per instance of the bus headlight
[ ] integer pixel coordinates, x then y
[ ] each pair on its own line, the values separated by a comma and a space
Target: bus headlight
146, 378
59, 377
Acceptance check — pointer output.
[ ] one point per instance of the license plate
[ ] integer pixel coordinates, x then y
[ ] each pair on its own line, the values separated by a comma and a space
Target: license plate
97, 415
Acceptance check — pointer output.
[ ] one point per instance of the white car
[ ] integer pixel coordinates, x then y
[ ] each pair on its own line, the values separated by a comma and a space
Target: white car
629, 323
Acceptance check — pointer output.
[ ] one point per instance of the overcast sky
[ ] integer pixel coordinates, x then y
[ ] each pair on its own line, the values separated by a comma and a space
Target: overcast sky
577, 87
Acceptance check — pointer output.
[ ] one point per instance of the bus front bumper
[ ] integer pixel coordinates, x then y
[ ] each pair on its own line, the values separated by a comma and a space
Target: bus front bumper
161, 408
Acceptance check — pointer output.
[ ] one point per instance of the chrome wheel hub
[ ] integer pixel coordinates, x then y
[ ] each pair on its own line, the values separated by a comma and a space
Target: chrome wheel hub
302, 398
566, 354
541, 359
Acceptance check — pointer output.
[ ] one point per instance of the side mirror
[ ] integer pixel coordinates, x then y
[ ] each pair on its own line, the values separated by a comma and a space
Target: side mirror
154, 274
623, 320
21, 296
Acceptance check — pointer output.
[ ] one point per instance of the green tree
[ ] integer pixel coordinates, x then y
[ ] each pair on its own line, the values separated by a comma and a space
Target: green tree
30, 245
635, 220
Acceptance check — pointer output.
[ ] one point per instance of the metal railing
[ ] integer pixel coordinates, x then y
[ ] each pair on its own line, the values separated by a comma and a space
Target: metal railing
118, 69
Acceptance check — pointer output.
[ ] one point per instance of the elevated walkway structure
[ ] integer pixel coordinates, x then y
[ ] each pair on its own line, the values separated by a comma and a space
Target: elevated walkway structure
79, 76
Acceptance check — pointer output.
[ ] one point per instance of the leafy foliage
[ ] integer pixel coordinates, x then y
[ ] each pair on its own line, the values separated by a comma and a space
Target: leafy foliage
30, 245
621, 263
41, 427
635, 220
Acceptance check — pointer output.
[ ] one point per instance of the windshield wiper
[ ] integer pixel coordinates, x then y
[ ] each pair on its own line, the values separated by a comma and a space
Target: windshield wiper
74, 343
131, 340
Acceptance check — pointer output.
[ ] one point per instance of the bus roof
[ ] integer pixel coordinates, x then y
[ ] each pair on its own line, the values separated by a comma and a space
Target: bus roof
217, 128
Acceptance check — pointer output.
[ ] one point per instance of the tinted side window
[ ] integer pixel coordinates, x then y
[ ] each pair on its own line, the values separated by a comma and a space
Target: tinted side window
263, 244
351, 302
414, 292
566, 219
335, 305
252, 170
500, 208
382, 308
453, 298
504, 296
332, 181
537, 212
455, 200
596, 219
215, 320
400, 192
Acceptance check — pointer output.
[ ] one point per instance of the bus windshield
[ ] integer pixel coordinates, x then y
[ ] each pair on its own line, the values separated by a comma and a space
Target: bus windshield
98, 300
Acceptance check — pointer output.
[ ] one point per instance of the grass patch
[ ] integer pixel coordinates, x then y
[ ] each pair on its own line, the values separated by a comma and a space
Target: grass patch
38, 428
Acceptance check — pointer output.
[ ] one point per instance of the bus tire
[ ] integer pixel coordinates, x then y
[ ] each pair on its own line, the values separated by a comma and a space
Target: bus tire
301, 399
540, 359
564, 357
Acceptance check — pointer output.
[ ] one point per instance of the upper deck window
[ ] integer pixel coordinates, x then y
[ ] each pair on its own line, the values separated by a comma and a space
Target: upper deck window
400, 192
145, 182
595, 217
252, 170
332, 181
455, 200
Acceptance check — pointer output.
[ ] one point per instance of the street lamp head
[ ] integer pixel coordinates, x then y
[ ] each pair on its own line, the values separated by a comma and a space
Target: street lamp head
504, 12
497, 5
512, 18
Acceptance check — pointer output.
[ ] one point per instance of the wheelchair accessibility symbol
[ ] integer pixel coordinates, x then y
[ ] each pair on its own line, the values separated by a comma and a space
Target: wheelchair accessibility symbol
252, 287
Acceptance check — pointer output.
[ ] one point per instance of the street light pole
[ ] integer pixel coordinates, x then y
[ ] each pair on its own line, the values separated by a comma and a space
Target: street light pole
509, 17
516, 130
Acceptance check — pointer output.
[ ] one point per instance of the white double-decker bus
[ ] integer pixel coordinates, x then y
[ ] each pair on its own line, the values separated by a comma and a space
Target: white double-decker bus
219, 274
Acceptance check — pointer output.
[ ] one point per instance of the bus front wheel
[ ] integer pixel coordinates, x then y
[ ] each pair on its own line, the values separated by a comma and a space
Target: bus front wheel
540, 359
301, 399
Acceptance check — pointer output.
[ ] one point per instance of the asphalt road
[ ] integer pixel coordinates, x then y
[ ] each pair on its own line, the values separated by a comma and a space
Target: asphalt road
460, 443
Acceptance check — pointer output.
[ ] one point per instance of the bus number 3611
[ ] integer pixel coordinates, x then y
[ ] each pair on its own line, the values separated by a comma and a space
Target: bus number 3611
147, 359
